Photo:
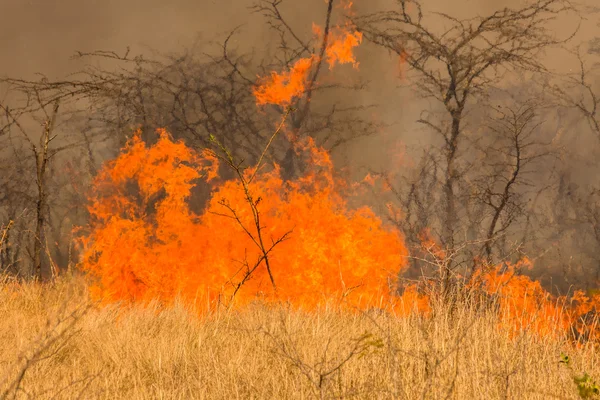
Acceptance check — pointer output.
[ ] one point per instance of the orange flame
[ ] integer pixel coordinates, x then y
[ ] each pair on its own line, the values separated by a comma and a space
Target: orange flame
342, 41
369, 180
346, 5
522, 303
412, 300
145, 243
282, 88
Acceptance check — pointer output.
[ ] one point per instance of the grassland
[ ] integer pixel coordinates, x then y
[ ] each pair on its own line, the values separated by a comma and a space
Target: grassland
56, 344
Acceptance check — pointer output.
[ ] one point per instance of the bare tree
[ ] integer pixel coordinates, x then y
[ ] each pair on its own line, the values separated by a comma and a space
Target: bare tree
42, 154
455, 67
577, 200
20, 196
507, 161
576, 91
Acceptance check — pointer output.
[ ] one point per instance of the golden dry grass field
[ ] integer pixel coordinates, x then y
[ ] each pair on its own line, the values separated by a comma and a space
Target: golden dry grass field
55, 344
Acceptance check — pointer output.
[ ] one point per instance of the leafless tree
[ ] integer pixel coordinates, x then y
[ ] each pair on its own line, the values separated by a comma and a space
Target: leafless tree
256, 231
456, 67
32, 158
577, 209
576, 91
507, 162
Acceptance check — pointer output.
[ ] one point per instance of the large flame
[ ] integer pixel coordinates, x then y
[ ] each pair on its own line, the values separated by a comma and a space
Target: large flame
145, 243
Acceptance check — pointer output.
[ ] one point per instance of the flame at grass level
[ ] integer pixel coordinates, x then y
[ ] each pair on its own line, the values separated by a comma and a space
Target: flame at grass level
522, 304
145, 243
525, 305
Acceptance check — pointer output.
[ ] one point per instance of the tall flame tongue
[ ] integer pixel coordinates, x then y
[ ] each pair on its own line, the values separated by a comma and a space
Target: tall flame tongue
341, 41
282, 88
145, 242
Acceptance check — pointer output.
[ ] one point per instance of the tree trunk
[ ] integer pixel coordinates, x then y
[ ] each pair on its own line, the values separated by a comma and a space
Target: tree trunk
41, 162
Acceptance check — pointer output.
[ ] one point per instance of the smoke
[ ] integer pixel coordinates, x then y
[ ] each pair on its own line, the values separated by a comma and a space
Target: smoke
41, 36
38, 36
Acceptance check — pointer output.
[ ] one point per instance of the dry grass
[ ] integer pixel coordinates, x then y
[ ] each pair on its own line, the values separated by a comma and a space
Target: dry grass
54, 345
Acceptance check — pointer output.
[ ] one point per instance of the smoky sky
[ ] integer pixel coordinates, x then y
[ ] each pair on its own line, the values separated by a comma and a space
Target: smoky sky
41, 36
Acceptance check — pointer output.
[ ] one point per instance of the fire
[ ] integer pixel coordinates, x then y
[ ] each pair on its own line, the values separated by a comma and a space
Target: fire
341, 41
369, 180
522, 304
341, 47
282, 88
525, 305
144, 242
429, 244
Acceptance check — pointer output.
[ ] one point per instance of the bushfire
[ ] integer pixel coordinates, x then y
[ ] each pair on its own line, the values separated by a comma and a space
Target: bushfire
144, 242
